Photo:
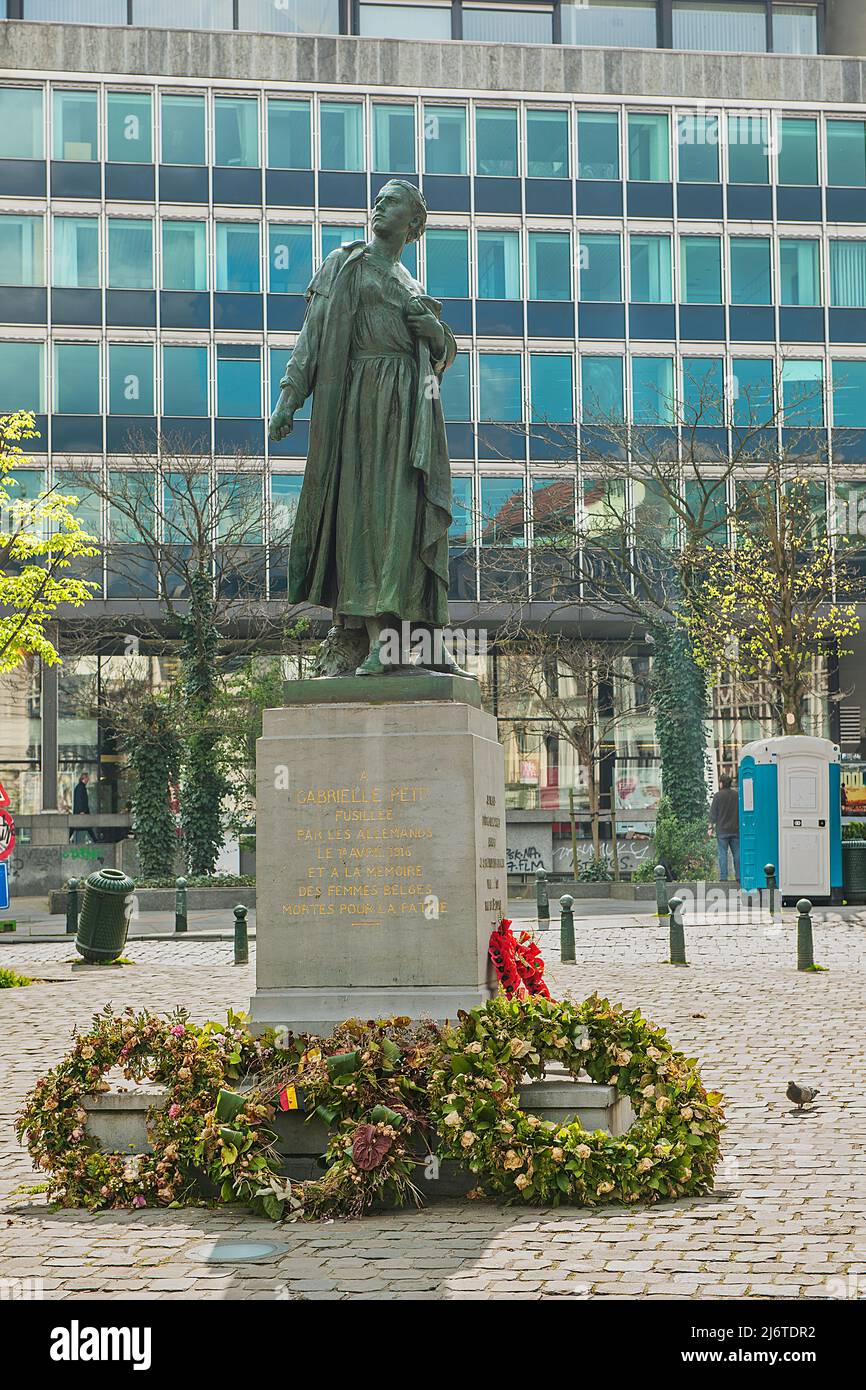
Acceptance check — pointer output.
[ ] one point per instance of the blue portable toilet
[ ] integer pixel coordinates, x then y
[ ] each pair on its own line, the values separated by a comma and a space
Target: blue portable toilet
791, 816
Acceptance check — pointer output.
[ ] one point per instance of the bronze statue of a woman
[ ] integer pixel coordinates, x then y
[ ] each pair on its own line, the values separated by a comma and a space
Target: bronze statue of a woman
370, 539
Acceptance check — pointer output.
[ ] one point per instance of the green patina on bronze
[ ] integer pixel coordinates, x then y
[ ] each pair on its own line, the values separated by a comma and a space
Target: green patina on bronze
370, 538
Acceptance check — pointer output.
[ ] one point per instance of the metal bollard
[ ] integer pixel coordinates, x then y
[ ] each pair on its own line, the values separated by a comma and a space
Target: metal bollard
770, 875
566, 928
805, 952
677, 933
180, 921
72, 906
242, 949
542, 901
663, 907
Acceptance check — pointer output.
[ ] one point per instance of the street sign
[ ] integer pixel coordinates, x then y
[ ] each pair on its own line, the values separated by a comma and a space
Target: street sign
4, 887
7, 828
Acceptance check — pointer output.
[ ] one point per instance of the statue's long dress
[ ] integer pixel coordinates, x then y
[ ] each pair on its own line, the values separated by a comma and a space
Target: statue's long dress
379, 509
371, 531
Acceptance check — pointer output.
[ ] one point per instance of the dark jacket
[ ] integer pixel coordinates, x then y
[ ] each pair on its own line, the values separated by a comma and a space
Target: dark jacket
725, 812
80, 800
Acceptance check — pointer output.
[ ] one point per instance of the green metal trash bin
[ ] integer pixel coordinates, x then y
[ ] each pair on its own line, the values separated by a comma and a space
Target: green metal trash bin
854, 870
105, 915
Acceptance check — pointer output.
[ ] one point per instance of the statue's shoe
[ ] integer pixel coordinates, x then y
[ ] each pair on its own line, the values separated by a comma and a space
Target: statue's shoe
373, 666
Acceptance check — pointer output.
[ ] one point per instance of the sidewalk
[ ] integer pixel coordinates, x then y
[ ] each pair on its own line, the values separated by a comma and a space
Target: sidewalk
35, 921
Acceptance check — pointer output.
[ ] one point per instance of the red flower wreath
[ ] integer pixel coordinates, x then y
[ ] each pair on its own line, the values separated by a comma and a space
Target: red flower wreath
517, 961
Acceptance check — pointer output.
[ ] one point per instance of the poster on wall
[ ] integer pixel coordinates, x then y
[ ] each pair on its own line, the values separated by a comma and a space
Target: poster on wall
854, 789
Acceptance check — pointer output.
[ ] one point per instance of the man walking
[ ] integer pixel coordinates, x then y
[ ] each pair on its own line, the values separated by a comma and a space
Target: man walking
81, 807
725, 825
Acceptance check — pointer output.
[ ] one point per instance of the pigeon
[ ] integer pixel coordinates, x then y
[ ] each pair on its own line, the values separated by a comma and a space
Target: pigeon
801, 1095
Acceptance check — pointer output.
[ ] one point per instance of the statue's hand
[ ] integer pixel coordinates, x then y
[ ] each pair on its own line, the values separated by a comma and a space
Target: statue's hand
281, 422
424, 324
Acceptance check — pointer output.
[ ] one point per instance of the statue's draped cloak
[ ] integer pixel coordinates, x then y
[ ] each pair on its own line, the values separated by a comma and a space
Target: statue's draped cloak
371, 531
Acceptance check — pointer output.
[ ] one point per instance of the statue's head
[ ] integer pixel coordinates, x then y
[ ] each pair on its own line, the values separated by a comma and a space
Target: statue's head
399, 207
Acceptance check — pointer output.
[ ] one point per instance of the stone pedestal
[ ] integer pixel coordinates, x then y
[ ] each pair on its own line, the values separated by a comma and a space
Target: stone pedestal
380, 851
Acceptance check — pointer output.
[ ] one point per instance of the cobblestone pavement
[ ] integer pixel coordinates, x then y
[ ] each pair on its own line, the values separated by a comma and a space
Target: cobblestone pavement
787, 1218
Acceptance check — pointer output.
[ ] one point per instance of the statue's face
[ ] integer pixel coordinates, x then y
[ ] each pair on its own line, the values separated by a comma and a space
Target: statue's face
393, 211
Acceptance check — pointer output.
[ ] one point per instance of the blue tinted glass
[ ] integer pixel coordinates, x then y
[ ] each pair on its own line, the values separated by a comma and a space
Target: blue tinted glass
129, 127
285, 495
799, 272
130, 254
496, 141
849, 394
236, 140
651, 279
76, 378
332, 237
184, 373
290, 259
600, 267
502, 511
798, 151
394, 138
498, 265
547, 144
76, 252
130, 379
598, 144
409, 258
75, 125
846, 153
549, 265
601, 389
445, 139
703, 392
239, 376
698, 149
499, 386
447, 263
460, 531
803, 394
22, 256
750, 270
848, 274
753, 391
183, 130
21, 134
701, 269
237, 257
454, 389
550, 376
748, 149
21, 377
184, 256
648, 150
342, 130
652, 390
288, 134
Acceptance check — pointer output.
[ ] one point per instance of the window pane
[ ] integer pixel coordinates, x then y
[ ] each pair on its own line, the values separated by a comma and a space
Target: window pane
285, 495
184, 256
848, 274
496, 142
547, 144
342, 131
652, 381
800, 273
239, 380
394, 139
698, 146
21, 123
553, 507
236, 124
79, 11
849, 394
130, 379
290, 16
405, 21
75, 126
601, 389
237, 257
447, 263
502, 511
507, 26
22, 379
279, 360
701, 269
498, 265
719, 28
598, 144
130, 254
332, 237
445, 139
703, 393
798, 151
184, 376
183, 137
648, 154
549, 265
460, 530
550, 387
183, 14
795, 29
499, 386
455, 389
750, 270
600, 263
748, 145
129, 127
22, 253
88, 508
239, 514
846, 153
651, 269
803, 394
289, 134
76, 378
610, 23
290, 258
76, 252
752, 390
